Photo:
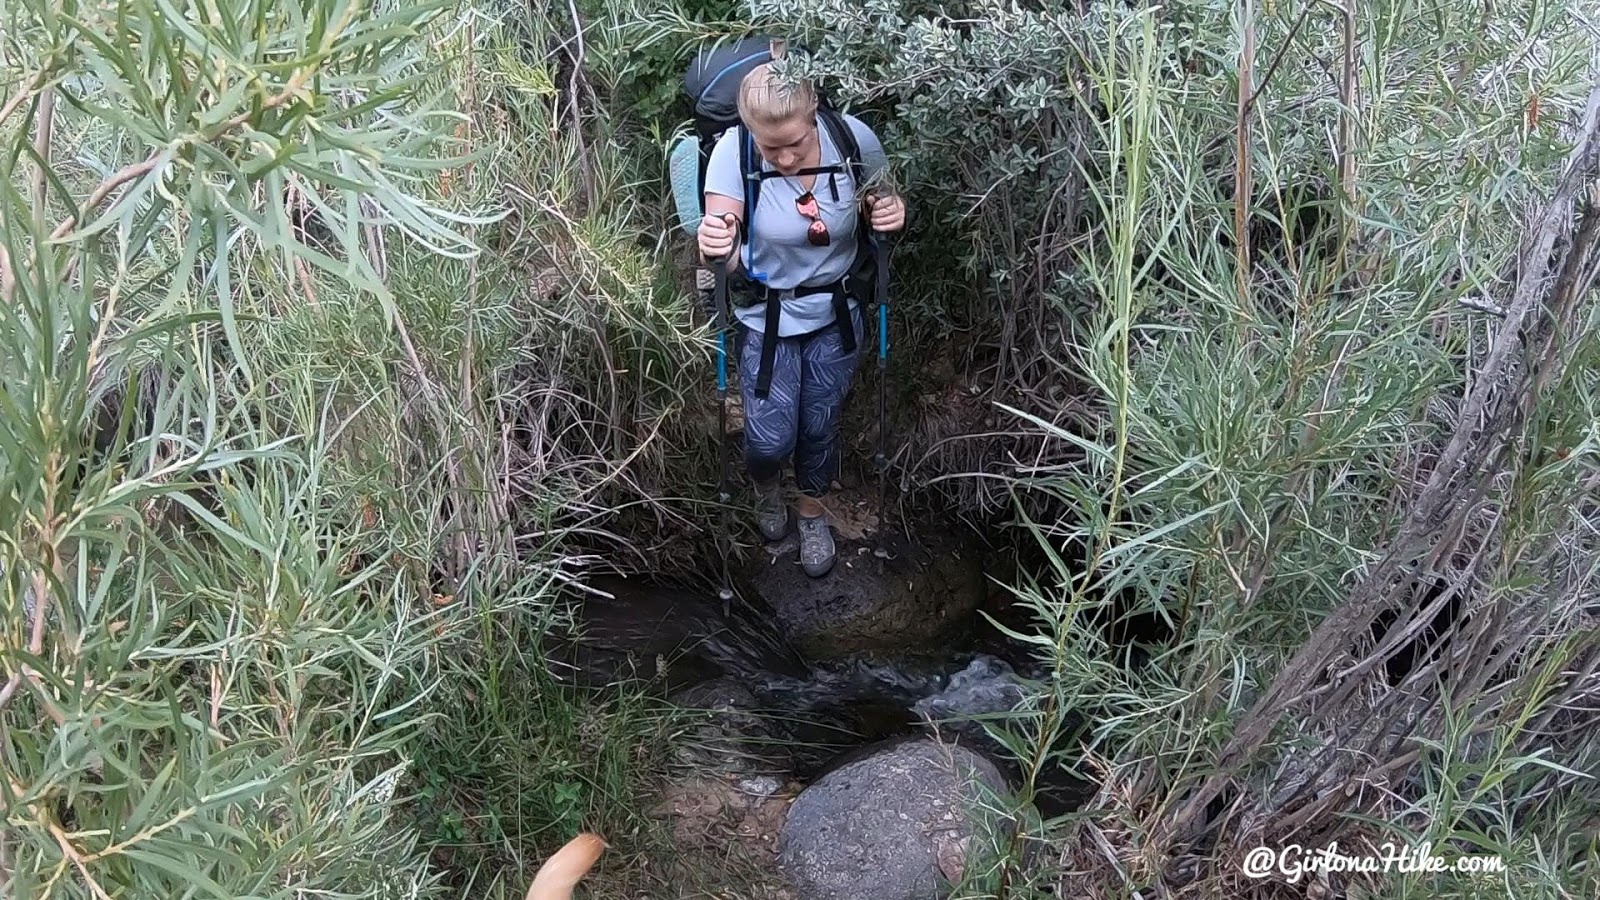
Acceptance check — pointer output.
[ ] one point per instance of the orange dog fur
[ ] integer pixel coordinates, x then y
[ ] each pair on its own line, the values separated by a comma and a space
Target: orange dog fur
561, 872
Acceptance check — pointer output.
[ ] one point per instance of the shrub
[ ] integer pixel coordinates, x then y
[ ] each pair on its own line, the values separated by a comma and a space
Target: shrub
284, 448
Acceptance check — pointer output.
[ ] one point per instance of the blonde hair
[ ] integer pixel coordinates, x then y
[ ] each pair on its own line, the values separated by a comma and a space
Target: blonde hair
766, 99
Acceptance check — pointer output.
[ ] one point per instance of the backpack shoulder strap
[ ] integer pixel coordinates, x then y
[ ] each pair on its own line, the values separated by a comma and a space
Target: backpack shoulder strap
749, 174
844, 137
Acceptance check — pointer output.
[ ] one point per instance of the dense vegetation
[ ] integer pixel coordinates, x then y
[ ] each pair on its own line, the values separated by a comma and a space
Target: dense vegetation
339, 339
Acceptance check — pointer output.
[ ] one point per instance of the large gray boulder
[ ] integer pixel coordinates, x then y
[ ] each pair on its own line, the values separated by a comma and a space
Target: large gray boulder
921, 596
896, 824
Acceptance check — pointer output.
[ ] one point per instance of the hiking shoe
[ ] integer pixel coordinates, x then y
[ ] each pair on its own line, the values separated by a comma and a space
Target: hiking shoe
816, 545
772, 514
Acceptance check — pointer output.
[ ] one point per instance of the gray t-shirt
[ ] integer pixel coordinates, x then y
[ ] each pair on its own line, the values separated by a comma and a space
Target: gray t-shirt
777, 253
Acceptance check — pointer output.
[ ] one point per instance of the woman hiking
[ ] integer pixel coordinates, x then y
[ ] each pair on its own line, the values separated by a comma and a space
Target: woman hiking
802, 344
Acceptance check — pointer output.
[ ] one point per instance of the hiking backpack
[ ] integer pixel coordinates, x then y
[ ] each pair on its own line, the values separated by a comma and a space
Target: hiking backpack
712, 85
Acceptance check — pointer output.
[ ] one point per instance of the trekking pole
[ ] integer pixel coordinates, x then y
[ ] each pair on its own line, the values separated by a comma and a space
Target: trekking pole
724, 492
880, 253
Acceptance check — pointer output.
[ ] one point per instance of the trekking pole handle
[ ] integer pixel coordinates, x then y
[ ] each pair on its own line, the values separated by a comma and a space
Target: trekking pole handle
721, 267
732, 221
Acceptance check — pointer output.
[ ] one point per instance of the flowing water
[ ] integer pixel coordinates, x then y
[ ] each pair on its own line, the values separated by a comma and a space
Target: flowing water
820, 711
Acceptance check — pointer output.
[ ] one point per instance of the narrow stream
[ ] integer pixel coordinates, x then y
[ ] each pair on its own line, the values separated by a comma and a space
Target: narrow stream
820, 713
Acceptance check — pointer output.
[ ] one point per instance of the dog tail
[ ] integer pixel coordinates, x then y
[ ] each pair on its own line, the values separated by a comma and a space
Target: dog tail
561, 872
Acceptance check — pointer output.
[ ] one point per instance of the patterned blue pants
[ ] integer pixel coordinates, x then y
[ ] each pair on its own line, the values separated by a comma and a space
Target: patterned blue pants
811, 375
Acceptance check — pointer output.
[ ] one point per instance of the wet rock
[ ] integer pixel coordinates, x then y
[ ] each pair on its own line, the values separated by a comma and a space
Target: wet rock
716, 694
923, 595
896, 824
987, 687
725, 732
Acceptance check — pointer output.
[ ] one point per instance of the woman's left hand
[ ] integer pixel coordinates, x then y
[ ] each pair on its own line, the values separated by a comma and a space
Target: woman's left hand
887, 212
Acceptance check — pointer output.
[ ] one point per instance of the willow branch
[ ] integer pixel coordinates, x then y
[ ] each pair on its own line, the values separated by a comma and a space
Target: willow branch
8, 280
1242, 168
41, 149
140, 169
21, 96
41, 604
577, 118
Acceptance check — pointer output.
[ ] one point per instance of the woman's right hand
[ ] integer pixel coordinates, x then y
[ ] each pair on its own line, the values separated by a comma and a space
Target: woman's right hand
717, 234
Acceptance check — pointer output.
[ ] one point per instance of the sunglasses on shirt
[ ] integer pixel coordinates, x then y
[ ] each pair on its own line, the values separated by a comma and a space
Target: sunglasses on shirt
817, 232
